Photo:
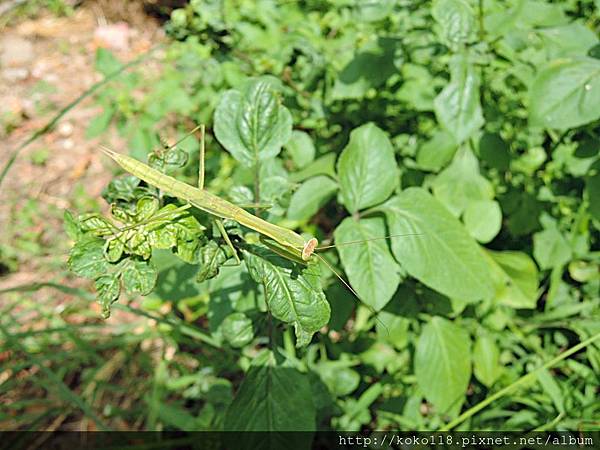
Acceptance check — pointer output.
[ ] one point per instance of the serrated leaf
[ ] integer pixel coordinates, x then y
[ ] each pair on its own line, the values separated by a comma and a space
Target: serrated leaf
146, 207
442, 256
237, 329
212, 256
310, 197
87, 258
367, 168
369, 264
293, 291
457, 107
70, 225
566, 94
108, 289
262, 403
139, 277
443, 364
96, 224
114, 249
252, 124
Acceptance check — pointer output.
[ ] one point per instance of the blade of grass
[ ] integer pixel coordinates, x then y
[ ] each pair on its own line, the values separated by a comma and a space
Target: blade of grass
63, 389
188, 330
48, 126
524, 379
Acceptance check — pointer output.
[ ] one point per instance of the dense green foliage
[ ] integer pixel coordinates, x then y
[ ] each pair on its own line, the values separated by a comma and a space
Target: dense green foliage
473, 128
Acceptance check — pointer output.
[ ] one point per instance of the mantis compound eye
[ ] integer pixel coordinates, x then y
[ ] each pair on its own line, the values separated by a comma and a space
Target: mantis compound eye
309, 248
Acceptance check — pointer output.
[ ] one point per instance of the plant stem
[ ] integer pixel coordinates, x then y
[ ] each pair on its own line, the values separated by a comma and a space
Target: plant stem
257, 187
524, 379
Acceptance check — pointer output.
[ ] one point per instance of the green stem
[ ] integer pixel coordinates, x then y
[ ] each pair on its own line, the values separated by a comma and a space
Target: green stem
524, 379
257, 187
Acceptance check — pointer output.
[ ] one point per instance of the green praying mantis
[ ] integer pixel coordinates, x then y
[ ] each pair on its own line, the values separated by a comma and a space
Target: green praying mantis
289, 244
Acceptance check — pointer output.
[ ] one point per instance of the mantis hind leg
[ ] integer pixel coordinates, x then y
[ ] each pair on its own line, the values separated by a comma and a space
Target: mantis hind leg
225, 236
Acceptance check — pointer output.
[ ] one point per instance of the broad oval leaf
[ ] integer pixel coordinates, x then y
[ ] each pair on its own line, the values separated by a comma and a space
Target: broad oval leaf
442, 256
443, 363
515, 278
483, 220
293, 291
301, 148
237, 329
486, 360
371, 268
461, 184
263, 403
457, 107
252, 124
456, 18
367, 168
310, 197
566, 94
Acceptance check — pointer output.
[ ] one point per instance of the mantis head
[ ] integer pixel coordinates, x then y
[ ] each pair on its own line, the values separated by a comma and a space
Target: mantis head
309, 248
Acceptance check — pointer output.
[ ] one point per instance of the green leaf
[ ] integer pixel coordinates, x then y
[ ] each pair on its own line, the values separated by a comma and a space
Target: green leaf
212, 257
237, 329
293, 291
592, 190
461, 184
443, 256
301, 148
437, 152
263, 403
369, 68
370, 266
100, 123
367, 168
515, 278
71, 225
551, 249
108, 288
486, 360
456, 19
106, 62
566, 94
310, 197
393, 329
339, 378
252, 124
139, 277
374, 10
87, 258
483, 220
457, 107
573, 39
443, 364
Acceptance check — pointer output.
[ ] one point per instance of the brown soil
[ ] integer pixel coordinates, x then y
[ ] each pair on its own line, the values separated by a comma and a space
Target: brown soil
46, 63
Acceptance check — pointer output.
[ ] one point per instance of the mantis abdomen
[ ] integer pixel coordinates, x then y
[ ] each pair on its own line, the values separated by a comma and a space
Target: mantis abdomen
208, 202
